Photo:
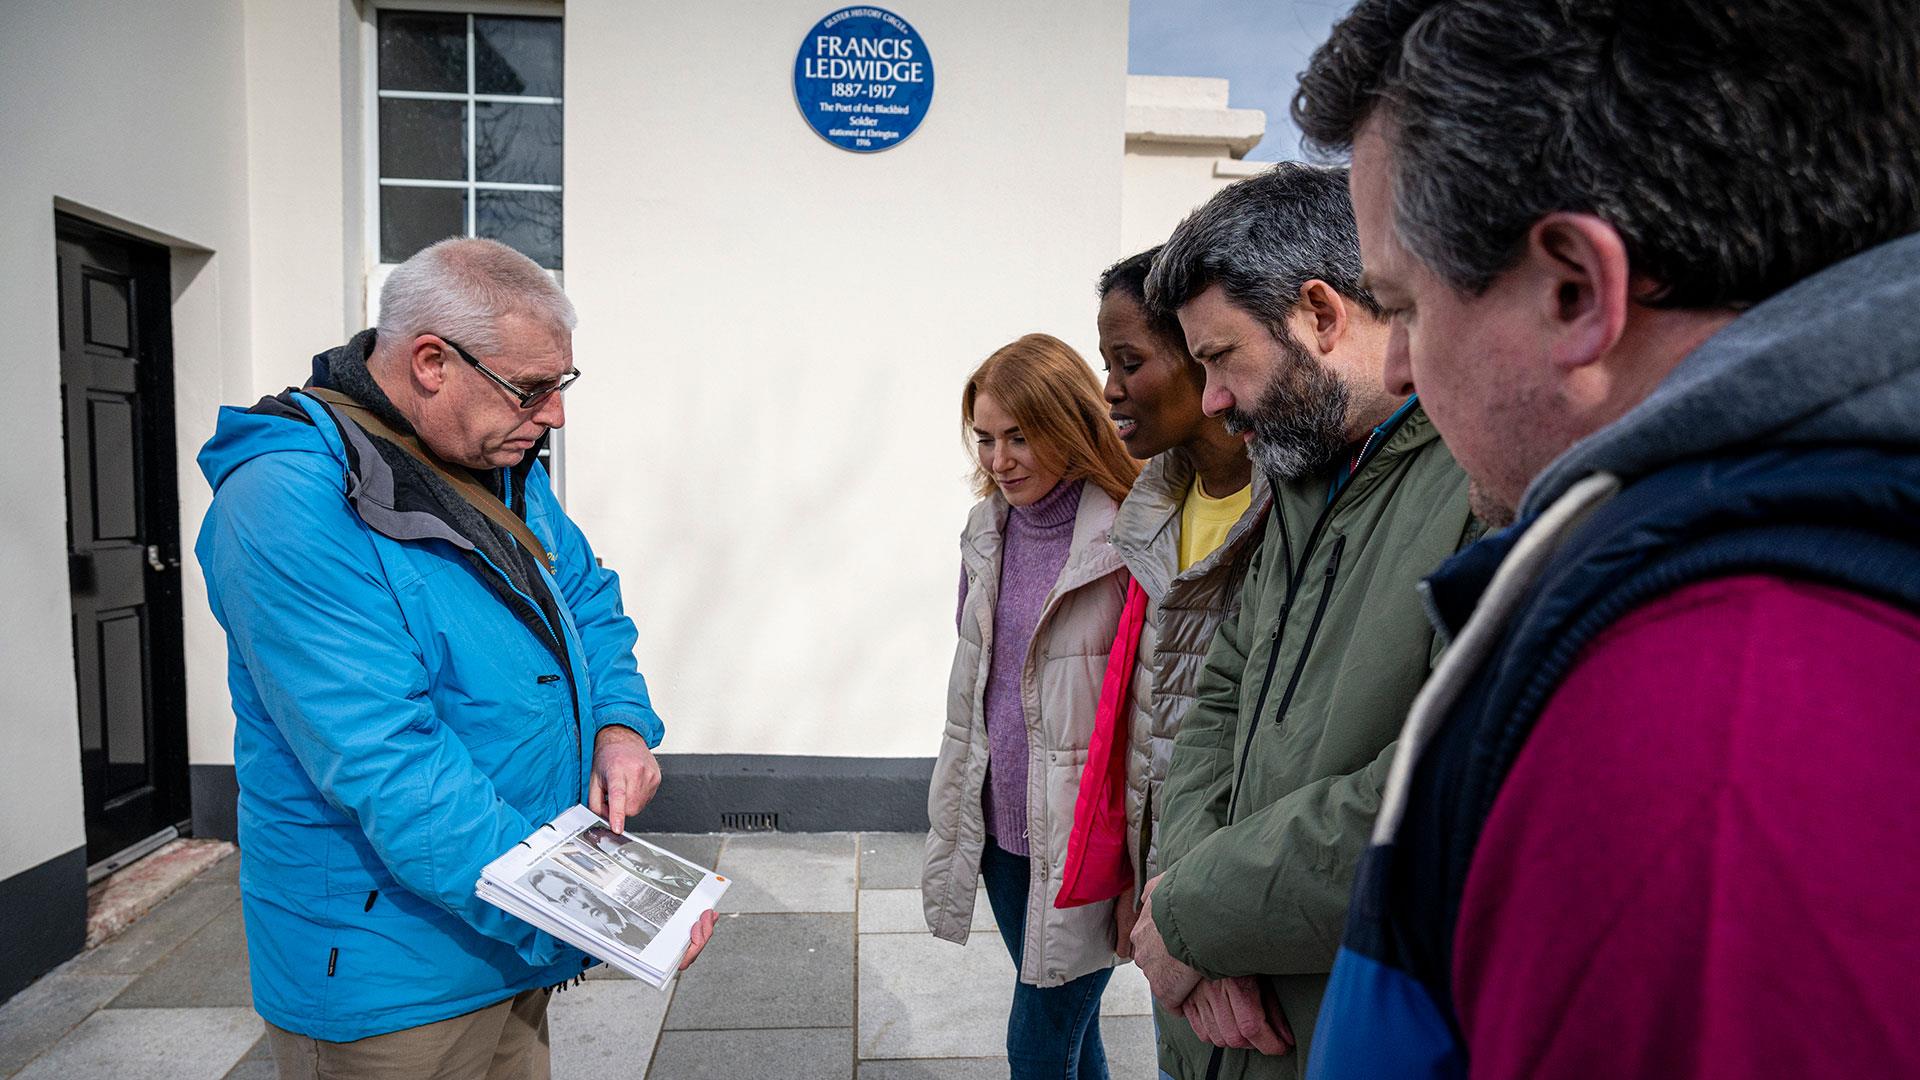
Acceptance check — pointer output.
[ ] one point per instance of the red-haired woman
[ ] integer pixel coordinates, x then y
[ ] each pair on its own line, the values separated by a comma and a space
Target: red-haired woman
1041, 595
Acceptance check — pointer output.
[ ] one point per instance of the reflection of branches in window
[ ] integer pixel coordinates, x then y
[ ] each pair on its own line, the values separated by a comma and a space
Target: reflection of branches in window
514, 145
491, 69
517, 55
422, 51
523, 213
528, 221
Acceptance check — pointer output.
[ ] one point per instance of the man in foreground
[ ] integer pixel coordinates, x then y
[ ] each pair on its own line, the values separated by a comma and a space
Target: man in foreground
1653, 271
1277, 769
426, 663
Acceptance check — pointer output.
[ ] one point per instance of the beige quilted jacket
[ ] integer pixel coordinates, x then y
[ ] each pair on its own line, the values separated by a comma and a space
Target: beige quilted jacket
1061, 687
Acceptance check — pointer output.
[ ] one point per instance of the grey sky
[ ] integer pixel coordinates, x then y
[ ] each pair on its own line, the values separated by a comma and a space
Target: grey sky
1259, 44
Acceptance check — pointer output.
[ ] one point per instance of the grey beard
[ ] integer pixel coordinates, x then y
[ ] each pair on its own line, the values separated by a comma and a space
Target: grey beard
1300, 422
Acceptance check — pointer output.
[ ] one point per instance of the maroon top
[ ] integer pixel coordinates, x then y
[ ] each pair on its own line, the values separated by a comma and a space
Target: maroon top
1704, 863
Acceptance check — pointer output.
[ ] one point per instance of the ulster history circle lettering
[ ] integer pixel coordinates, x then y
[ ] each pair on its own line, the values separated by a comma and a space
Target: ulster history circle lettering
863, 79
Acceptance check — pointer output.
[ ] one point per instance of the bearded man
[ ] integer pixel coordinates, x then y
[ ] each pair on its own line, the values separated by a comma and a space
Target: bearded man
1277, 771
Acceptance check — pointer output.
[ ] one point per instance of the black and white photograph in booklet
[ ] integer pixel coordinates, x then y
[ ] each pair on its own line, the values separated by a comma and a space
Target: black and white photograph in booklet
582, 901
657, 868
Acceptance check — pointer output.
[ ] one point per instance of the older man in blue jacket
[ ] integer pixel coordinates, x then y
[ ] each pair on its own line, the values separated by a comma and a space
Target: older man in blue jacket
420, 676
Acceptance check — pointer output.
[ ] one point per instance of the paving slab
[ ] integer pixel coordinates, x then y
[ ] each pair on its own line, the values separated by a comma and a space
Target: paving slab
789, 872
899, 911
208, 970
257, 1065
226, 871
153, 1044
252, 1069
1127, 1040
921, 997
1128, 993
159, 932
892, 860
598, 1027
39, 1016
936, 1069
766, 971
262, 1050
1130, 1045
790, 1054
775, 996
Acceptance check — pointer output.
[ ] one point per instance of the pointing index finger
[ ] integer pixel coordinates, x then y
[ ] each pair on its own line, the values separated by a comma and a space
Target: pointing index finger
617, 804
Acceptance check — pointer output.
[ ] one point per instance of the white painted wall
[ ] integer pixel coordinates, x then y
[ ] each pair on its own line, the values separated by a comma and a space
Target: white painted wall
132, 111
302, 177
774, 330
228, 131
774, 333
1166, 183
1183, 144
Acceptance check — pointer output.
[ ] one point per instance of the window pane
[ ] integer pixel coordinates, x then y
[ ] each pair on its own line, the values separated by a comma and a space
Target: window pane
527, 221
516, 55
412, 218
422, 51
517, 144
423, 140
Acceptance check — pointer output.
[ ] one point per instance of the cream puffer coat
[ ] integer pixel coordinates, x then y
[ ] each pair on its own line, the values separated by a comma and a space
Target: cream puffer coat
1060, 686
1183, 612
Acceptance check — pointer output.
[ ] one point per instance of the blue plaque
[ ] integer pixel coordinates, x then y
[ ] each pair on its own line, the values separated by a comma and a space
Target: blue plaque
863, 79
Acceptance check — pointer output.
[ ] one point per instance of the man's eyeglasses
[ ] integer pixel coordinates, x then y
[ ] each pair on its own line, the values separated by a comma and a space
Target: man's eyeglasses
527, 398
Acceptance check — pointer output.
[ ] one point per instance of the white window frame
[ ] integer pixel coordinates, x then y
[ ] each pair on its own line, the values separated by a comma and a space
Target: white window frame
376, 270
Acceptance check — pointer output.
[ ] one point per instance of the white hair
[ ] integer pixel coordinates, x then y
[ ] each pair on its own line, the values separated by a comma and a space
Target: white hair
460, 289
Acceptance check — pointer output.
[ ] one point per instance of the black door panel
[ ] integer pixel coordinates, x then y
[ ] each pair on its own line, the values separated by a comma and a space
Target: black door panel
123, 533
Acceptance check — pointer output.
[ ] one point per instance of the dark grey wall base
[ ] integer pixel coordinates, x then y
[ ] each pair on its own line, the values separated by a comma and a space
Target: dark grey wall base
702, 792
45, 912
807, 794
216, 799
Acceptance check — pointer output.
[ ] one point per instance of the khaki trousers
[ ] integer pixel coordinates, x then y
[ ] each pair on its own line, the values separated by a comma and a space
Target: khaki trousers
507, 1041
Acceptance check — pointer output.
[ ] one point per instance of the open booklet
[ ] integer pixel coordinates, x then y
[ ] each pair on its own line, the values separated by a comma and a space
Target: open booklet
608, 894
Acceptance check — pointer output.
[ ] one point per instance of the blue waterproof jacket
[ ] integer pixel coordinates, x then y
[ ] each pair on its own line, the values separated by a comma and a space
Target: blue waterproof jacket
399, 723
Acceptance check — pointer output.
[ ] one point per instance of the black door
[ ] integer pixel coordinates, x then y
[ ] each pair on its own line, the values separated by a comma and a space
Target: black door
123, 533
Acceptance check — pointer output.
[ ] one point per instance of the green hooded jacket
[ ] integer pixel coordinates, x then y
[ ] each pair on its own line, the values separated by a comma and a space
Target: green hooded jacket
1277, 770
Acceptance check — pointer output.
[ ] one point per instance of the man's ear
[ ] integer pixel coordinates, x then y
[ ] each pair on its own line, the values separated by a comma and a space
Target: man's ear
1325, 314
1576, 265
427, 363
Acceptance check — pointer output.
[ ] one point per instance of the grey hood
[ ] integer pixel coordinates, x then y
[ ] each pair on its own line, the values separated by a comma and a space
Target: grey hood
1834, 359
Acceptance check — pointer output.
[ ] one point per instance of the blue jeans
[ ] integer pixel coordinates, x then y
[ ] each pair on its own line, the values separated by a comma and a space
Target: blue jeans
1052, 1034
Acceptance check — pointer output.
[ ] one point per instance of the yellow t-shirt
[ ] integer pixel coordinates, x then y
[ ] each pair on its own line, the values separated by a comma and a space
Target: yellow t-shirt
1205, 522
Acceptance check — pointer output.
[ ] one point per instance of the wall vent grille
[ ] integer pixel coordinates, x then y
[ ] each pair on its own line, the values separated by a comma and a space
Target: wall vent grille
745, 821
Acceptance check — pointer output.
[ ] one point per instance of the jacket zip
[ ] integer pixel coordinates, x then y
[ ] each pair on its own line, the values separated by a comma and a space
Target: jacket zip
1313, 628
1035, 927
1300, 665
1273, 659
1296, 577
573, 688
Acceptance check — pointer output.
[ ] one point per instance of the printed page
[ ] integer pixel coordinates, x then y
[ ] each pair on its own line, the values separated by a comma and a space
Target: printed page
631, 896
